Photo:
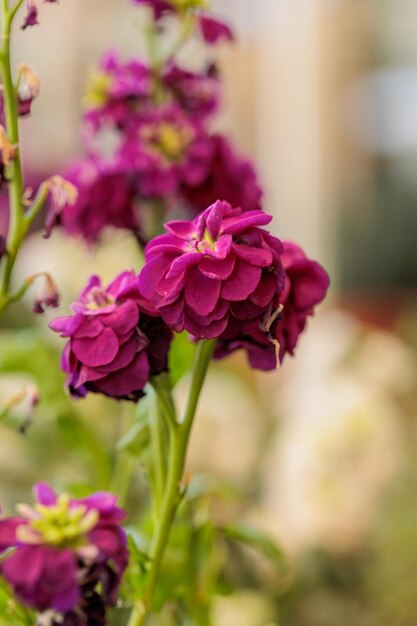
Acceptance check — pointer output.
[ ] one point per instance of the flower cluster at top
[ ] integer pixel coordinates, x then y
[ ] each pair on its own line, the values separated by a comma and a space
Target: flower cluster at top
221, 276
65, 557
155, 118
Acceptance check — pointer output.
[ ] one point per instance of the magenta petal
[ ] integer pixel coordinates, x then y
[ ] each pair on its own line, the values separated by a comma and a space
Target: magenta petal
96, 351
44, 494
266, 290
8, 532
219, 269
239, 223
182, 263
182, 229
201, 293
90, 327
125, 356
151, 274
123, 319
242, 282
124, 382
211, 331
312, 286
255, 256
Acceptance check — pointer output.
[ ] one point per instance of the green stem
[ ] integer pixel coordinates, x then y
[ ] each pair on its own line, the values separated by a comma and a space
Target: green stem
178, 445
15, 185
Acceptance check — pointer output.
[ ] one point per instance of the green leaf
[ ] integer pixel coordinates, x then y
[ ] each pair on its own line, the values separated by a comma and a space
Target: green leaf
246, 534
181, 355
136, 440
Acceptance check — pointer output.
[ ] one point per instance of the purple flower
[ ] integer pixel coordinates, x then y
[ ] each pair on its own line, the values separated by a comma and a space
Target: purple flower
229, 176
166, 148
117, 91
214, 30
197, 93
277, 333
116, 340
220, 267
63, 550
31, 17
106, 195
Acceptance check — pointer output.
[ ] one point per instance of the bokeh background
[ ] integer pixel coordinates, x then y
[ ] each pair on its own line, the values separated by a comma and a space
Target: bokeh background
322, 95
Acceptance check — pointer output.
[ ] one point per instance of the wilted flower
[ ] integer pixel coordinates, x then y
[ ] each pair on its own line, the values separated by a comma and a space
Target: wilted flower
8, 150
31, 17
229, 176
106, 194
276, 333
166, 148
48, 297
214, 30
161, 7
116, 340
62, 193
220, 267
64, 552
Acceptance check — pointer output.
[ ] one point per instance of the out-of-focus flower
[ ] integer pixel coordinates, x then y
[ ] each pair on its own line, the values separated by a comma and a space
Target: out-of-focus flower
220, 267
31, 17
116, 340
48, 297
62, 193
214, 30
8, 150
117, 91
268, 339
63, 551
198, 93
229, 176
166, 148
28, 89
105, 198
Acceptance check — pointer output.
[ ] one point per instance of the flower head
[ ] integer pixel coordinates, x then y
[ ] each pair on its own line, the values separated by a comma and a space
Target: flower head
197, 93
64, 549
116, 340
229, 176
223, 266
276, 333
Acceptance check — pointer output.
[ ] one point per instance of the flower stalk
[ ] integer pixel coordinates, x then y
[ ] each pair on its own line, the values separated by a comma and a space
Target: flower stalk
179, 436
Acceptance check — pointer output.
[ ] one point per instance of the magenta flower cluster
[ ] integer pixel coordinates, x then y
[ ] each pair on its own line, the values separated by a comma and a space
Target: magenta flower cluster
165, 154
116, 340
65, 557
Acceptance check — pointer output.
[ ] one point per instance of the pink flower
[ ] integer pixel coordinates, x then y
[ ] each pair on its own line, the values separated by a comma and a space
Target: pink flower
116, 340
220, 267
65, 551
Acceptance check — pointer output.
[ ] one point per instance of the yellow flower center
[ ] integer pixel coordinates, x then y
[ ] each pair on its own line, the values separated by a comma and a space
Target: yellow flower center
97, 90
167, 139
60, 525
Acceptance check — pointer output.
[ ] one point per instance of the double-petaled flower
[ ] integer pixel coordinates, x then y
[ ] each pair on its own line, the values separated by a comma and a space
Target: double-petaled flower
65, 557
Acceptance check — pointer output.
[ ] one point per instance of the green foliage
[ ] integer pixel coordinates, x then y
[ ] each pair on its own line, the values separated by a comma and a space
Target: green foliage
181, 357
254, 538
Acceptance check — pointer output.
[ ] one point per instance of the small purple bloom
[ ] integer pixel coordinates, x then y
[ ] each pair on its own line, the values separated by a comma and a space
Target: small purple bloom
229, 176
214, 30
273, 336
31, 17
116, 340
106, 198
220, 267
66, 551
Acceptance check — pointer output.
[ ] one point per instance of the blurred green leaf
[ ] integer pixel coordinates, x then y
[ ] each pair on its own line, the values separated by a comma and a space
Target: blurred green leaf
250, 536
181, 357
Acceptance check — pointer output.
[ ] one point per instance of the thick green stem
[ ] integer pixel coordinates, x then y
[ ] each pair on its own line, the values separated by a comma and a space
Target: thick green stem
15, 185
178, 445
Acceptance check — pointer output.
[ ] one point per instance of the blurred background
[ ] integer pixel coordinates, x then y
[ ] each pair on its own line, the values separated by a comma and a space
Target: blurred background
322, 95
